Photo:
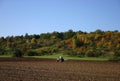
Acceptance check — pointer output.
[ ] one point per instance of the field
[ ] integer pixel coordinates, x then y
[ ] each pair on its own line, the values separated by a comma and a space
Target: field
67, 57
38, 69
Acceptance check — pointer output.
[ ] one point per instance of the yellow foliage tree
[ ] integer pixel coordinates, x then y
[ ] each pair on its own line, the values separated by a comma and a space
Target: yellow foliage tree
33, 40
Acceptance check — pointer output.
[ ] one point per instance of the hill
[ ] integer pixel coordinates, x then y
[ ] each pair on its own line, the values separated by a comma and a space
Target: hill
81, 44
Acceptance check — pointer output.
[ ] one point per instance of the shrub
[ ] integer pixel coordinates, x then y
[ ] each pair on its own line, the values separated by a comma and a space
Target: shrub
71, 53
31, 53
116, 56
117, 53
17, 53
80, 54
116, 59
97, 53
90, 53
2, 52
46, 51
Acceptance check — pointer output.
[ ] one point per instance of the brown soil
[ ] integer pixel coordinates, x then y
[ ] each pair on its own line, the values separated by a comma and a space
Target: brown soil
32, 69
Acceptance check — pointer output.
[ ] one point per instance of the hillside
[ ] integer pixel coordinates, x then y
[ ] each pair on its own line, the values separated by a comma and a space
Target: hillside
94, 44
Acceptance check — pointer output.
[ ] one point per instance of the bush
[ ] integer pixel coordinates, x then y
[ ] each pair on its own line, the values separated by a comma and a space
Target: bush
80, 54
71, 53
17, 53
31, 53
116, 59
115, 56
2, 52
75, 53
117, 53
46, 51
97, 53
90, 53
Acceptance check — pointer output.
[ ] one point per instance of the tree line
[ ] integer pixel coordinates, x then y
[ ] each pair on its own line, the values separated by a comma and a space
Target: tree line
82, 44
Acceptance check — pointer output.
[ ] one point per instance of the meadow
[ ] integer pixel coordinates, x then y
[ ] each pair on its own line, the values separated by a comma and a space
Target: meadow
66, 57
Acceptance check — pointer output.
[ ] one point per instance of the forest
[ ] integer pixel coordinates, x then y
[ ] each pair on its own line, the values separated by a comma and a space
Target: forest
73, 43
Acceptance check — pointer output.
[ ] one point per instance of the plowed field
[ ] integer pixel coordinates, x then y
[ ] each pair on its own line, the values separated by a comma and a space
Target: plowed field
30, 69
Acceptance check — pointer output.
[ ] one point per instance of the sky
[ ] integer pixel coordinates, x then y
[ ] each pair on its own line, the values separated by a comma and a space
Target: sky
18, 17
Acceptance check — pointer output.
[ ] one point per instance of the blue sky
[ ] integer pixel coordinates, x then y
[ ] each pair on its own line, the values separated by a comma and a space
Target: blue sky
18, 17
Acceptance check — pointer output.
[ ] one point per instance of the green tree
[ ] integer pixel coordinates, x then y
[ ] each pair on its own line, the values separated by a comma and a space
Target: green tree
69, 34
76, 42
